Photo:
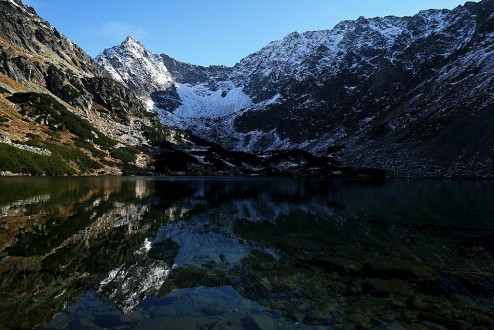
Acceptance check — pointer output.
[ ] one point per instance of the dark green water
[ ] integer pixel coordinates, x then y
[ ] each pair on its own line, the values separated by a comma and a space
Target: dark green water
199, 253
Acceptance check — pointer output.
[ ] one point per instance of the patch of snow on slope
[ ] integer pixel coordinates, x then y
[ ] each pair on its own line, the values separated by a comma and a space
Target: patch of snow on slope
111, 70
201, 101
13, 2
480, 59
388, 29
22, 7
149, 104
435, 21
262, 105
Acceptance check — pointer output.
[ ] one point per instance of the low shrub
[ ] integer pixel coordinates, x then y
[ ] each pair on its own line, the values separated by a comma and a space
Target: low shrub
69, 155
88, 146
125, 154
21, 161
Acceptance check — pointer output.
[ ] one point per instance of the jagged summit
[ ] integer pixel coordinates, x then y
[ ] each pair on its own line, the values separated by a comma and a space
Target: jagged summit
128, 43
133, 65
134, 46
131, 40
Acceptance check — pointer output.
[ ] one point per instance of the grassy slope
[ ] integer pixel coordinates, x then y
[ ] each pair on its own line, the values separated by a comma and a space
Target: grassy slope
77, 147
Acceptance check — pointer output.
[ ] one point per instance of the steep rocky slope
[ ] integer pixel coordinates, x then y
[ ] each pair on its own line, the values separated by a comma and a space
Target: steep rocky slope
59, 115
413, 95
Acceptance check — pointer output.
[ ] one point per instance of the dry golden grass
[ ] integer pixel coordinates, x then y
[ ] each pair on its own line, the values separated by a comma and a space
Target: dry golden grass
12, 83
20, 52
16, 128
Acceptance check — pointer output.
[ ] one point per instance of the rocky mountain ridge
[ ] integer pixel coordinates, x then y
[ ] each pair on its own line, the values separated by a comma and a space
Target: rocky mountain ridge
60, 116
412, 95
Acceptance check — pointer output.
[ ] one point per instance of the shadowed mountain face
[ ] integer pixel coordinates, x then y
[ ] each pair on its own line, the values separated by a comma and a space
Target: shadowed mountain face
282, 253
412, 95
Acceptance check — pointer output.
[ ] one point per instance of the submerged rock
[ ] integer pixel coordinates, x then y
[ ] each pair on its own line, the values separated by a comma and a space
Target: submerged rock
386, 287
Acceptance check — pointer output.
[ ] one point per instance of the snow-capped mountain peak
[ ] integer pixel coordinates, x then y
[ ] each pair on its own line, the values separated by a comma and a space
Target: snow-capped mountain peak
133, 65
131, 41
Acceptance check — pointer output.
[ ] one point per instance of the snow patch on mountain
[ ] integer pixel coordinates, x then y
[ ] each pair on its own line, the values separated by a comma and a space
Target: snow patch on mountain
263, 104
110, 70
310, 54
201, 101
150, 105
14, 3
435, 21
389, 30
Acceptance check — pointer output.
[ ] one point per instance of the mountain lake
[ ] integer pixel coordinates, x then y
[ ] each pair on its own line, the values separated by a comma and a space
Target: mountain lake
246, 253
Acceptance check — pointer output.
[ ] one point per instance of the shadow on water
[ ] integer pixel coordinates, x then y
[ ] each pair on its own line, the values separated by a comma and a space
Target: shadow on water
245, 253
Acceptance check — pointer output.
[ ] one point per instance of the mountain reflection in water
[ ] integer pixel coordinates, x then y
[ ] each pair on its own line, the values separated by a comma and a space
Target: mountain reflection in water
245, 253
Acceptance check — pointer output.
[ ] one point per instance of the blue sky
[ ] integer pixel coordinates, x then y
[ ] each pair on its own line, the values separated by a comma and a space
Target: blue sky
209, 31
